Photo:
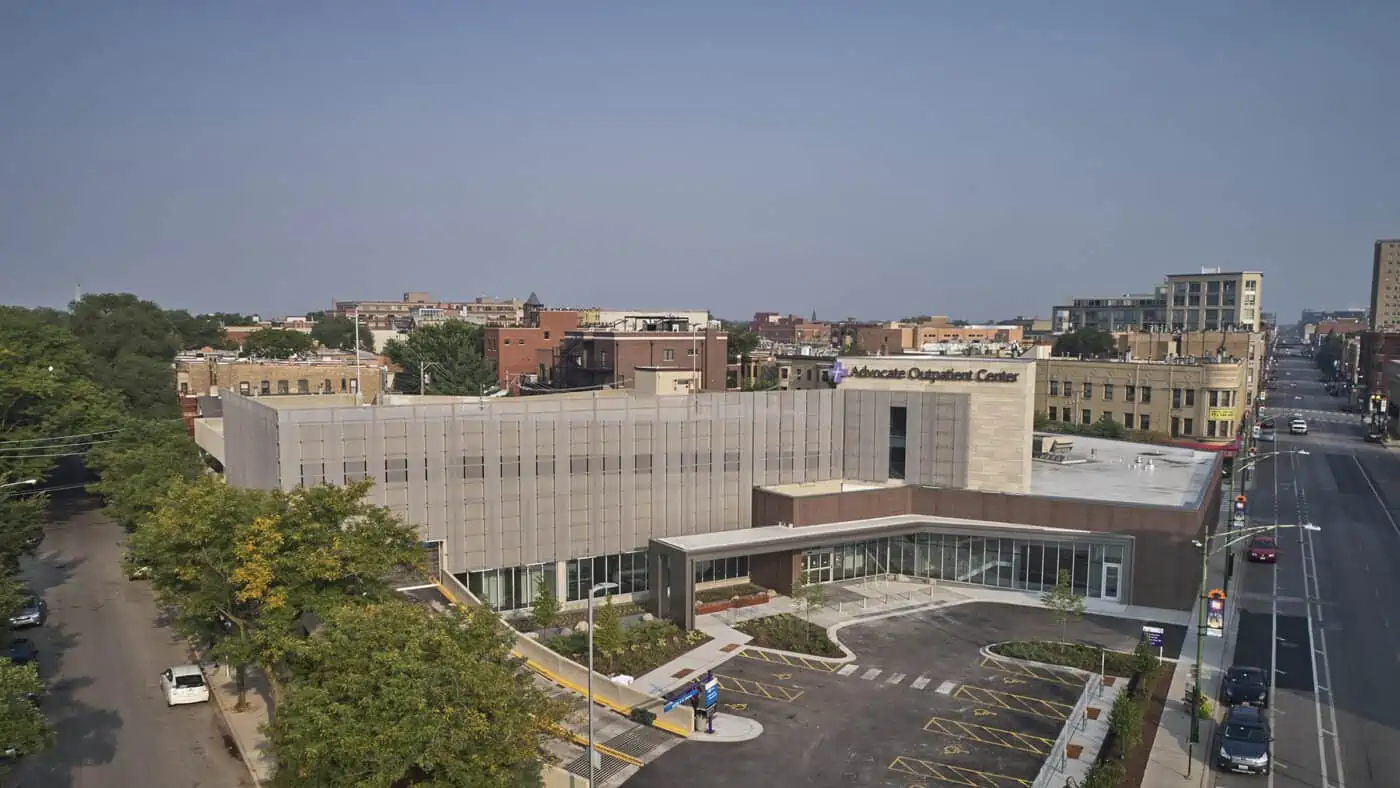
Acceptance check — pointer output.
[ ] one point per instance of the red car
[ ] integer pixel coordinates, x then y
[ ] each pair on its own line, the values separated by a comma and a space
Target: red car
1263, 549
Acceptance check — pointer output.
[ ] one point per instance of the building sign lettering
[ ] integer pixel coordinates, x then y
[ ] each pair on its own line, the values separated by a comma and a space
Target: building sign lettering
935, 375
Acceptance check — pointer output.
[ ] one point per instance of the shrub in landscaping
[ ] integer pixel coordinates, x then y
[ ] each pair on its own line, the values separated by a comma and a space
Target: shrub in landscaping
1105, 774
1072, 655
726, 593
1125, 722
644, 647
787, 632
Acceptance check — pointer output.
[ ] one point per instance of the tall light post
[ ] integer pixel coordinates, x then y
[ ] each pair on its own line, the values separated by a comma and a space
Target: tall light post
1244, 466
1233, 537
423, 367
592, 754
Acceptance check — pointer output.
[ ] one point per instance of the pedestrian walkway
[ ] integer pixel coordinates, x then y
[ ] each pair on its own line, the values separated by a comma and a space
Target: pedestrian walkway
244, 727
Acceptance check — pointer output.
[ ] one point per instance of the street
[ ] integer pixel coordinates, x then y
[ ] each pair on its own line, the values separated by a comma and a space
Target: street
101, 654
1321, 617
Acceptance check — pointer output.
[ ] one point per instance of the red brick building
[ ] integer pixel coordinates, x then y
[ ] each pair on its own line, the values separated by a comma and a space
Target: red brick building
790, 330
529, 354
1376, 349
591, 358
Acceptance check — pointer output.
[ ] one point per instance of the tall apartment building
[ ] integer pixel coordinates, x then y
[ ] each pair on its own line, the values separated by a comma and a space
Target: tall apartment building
1385, 286
1126, 312
1213, 300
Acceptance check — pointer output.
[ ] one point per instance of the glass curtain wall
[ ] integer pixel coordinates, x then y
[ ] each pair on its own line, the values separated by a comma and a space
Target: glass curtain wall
1018, 564
721, 569
628, 570
512, 588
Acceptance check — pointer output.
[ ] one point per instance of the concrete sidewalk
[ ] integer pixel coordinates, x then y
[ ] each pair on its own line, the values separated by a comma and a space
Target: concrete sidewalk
245, 727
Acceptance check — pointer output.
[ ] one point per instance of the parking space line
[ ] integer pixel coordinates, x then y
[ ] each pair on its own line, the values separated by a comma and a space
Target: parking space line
758, 689
1010, 701
870, 674
920, 682
847, 670
790, 660
956, 775
895, 678
1030, 671
996, 737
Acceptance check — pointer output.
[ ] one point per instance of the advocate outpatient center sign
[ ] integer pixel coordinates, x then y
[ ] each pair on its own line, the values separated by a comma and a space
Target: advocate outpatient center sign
934, 375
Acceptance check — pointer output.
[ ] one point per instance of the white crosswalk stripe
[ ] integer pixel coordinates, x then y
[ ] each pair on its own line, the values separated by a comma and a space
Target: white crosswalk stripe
920, 682
870, 674
847, 670
895, 678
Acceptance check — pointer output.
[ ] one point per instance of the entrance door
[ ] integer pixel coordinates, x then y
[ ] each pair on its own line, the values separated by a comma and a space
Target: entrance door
816, 566
1112, 579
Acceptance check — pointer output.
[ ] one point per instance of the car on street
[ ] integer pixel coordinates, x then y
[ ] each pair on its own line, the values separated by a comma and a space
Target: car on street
1246, 686
31, 613
1298, 427
182, 684
1263, 549
1244, 741
1375, 436
1266, 436
22, 651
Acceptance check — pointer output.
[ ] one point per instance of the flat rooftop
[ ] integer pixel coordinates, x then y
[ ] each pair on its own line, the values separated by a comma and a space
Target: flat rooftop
1121, 472
805, 489
775, 537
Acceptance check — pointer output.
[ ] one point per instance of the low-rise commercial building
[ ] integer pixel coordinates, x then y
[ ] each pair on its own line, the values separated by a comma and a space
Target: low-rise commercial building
597, 358
966, 335
332, 373
922, 466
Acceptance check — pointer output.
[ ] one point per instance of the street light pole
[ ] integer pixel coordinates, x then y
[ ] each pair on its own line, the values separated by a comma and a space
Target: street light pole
1235, 537
592, 592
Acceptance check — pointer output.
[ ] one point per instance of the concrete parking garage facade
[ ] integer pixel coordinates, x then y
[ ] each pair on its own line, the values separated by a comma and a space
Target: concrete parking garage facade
919, 462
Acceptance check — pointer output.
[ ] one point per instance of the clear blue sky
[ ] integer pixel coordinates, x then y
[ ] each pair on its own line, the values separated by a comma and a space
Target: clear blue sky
980, 159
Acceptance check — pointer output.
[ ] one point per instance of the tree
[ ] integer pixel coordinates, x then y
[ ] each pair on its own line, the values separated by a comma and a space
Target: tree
456, 353
391, 695
243, 569
1042, 422
1105, 427
1063, 603
808, 596
227, 319
22, 724
608, 637
338, 333
1329, 353
133, 344
197, 331
742, 341
277, 343
141, 463
1086, 343
545, 609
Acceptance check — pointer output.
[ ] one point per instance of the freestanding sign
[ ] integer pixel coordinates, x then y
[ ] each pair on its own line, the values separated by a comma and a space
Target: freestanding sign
1215, 613
1155, 636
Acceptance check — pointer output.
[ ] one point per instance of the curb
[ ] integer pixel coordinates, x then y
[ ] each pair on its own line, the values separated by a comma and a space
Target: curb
986, 651
833, 630
223, 722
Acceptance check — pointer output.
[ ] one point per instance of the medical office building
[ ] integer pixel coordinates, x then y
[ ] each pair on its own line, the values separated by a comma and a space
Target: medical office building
924, 467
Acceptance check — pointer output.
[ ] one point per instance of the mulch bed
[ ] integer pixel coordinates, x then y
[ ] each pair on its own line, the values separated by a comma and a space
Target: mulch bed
1136, 763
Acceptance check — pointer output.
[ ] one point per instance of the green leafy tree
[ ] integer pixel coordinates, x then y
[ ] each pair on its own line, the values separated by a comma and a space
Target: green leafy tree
23, 726
742, 341
278, 343
244, 569
141, 463
1086, 343
133, 344
457, 356
1329, 353
545, 608
227, 319
1106, 427
1063, 602
808, 596
338, 332
391, 695
1125, 719
1042, 422
608, 637
197, 331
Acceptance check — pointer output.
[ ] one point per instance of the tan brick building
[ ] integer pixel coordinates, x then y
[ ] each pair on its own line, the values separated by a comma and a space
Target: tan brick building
932, 334
212, 375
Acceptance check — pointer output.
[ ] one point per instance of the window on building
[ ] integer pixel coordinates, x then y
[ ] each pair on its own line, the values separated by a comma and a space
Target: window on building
722, 569
1129, 393
265, 387
1086, 417
1190, 398
668, 355
396, 469
627, 570
354, 386
1176, 426
1144, 422
1054, 413
899, 429
1145, 394
244, 388
603, 358
1128, 420
512, 588
1108, 392
1188, 427
355, 470
184, 388
1067, 388
1088, 392
284, 387
303, 386
1054, 388
312, 473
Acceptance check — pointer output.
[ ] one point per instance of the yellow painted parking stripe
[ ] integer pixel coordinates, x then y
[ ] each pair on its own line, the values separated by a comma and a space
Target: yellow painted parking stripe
758, 689
955, 775
1031, 671
790, 660
996, 737
1010, 701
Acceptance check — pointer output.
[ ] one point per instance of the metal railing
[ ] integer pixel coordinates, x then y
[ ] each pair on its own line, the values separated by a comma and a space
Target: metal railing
1078, 720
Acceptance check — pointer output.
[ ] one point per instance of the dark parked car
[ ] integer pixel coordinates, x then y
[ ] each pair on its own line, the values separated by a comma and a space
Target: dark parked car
31, 613
1246, 686
22, 651
1244, 741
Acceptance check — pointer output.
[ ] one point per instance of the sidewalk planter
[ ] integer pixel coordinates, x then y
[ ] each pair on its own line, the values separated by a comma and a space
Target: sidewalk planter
1073, 751
705, 608
1093, 712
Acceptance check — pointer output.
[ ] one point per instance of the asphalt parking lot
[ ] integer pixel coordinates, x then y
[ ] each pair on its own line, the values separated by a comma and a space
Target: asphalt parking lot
919, 705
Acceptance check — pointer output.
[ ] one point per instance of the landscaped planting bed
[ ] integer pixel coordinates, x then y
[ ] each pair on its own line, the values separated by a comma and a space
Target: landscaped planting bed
645, 647
1073, 655
787, 632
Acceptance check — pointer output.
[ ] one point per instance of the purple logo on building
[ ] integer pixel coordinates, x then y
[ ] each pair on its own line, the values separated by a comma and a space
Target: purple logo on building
838, 372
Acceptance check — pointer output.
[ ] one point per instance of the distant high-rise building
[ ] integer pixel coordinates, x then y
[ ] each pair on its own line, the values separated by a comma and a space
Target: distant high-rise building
1385, 286
1215, 300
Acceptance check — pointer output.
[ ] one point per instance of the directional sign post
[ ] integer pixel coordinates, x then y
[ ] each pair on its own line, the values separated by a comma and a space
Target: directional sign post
1155, 636
711, 701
